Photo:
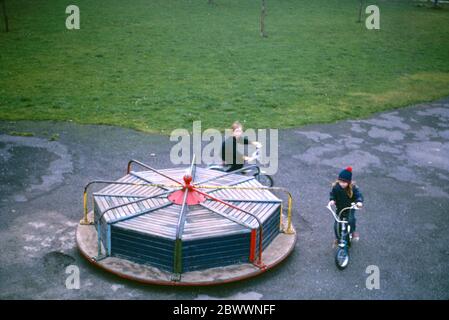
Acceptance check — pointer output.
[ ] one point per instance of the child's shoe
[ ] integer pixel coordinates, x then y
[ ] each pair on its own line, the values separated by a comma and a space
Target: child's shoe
355, 236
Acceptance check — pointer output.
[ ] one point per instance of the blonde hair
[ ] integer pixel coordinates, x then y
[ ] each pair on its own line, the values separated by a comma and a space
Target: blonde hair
348, 189
236, 125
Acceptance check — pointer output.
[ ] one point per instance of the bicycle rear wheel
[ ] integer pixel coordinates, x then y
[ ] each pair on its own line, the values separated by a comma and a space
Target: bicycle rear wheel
265, 180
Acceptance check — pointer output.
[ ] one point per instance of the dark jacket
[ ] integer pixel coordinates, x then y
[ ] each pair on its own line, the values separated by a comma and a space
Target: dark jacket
341, 198
229, 152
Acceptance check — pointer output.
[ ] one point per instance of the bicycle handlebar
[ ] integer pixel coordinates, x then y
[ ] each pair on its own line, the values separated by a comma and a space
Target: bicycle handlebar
353, 206
255, 155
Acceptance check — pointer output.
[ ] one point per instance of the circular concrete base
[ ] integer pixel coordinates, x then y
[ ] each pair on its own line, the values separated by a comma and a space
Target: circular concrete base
277, 251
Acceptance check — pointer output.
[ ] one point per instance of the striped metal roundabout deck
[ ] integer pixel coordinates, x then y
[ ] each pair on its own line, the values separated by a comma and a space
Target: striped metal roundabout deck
185, 226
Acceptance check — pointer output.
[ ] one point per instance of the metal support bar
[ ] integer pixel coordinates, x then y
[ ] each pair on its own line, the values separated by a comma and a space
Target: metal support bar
85, 220
149, 168
97, 194
131, 202
251, 200
108, 240
177, 258
280, 218
182, 216
228, 185
136, 214
259, 262
252, 245
229, 173
289, 229
226, 216
193, 168
99, 239
177, 268
115, 207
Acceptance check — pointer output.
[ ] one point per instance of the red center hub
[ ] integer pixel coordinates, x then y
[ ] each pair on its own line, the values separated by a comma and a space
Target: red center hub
193, 197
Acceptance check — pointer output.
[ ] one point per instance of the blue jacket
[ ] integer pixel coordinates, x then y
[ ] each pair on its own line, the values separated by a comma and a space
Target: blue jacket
341, 198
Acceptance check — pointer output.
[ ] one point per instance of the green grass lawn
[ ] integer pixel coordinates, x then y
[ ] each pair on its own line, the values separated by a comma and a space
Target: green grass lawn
156, 65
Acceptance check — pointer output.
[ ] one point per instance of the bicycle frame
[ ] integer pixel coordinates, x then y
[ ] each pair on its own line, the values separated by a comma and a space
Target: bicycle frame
248, 169
344, 236
342, 240
245, 169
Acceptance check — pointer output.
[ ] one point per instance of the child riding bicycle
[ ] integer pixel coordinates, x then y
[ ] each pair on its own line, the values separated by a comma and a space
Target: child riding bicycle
345, 192
229, 153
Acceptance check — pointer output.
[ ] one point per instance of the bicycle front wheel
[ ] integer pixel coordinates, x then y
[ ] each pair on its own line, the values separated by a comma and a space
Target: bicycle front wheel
342, 258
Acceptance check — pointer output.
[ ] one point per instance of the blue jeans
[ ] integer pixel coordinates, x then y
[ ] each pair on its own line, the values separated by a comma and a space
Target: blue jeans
351, 219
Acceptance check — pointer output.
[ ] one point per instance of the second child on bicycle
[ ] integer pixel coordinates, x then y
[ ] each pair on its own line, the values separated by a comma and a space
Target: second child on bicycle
345, 192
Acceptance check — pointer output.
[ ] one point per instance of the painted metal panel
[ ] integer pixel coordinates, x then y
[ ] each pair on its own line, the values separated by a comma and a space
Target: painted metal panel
142, 248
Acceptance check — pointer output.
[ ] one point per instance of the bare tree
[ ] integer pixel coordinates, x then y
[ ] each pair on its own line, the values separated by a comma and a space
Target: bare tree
5, 16
263, 14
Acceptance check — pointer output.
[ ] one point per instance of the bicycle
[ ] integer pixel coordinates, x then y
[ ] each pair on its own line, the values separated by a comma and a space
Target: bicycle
252, 169
344, 236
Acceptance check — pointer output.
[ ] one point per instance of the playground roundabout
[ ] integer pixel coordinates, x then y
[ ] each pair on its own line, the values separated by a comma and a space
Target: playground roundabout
185, 226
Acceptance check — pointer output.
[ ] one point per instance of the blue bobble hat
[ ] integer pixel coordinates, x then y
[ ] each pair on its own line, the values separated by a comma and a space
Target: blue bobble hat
346, 175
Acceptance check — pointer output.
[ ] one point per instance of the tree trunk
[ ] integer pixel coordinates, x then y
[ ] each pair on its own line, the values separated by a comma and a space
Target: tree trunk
360, 11
263, 13
5, 16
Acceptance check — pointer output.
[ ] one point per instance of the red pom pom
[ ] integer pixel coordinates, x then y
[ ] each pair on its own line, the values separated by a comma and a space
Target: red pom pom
349, 169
